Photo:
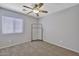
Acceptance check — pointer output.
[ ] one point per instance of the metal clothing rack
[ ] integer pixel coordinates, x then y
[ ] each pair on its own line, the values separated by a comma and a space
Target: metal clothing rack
36, 32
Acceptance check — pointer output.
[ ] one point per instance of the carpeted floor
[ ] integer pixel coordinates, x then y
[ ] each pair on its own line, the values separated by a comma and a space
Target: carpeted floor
36, 48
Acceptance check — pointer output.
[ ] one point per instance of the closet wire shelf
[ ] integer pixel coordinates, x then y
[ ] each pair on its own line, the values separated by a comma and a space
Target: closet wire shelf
36, 32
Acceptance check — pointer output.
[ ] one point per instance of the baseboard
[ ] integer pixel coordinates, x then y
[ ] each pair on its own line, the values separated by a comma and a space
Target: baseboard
75, 51
13, 44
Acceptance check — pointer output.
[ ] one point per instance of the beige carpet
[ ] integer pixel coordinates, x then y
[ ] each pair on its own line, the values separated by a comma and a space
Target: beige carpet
36, 48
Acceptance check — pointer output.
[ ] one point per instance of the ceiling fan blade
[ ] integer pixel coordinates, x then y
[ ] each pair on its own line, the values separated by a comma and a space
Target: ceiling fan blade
37, 14
44, 11
29, 12
27, 7
40, 5
35, 6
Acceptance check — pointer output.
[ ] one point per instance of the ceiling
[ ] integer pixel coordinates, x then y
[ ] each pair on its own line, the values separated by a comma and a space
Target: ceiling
50, 7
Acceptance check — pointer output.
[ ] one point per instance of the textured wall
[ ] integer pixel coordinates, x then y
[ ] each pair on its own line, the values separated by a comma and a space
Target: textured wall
62, 28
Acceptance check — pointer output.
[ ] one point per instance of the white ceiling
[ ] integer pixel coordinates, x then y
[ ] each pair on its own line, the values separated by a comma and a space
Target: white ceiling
50, 7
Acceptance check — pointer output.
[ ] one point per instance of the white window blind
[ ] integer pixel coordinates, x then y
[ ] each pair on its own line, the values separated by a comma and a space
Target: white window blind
11, 25
18, 25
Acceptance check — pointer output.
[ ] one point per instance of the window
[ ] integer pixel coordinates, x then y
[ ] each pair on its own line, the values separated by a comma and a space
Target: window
11, 25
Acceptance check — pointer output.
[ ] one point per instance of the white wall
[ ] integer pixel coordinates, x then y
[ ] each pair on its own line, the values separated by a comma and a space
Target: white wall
62, 28
13, 39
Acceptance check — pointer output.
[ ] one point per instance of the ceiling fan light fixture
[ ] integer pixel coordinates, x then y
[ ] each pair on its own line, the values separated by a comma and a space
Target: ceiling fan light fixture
36, 11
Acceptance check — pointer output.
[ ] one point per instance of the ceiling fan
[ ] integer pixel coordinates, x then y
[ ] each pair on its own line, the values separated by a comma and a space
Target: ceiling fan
36, 9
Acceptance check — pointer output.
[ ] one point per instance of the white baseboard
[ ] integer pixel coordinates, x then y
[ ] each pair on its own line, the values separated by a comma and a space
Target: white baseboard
9, 45
62, 46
